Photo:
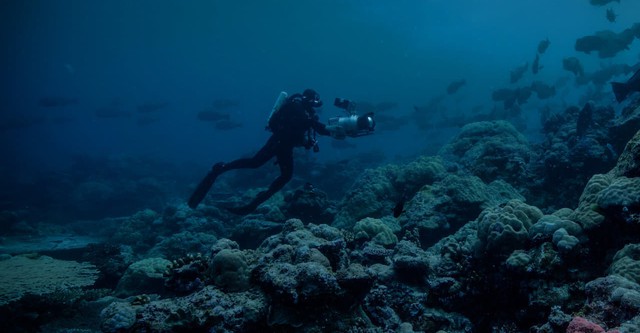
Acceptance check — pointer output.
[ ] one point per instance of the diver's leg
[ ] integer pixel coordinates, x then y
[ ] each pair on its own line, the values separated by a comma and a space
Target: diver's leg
261, 157
204, 185
285, 161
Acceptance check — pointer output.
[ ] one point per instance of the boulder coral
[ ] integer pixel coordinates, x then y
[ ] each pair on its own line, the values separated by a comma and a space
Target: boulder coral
626, 263
505, 228
370, 196
375, 230
143, 277
376, 191
586, 213
490, 150
441, 208
229, 270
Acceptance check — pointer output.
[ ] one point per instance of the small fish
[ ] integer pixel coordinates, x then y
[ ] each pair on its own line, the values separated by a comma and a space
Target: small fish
111, 112
518, 72
573, 65
56, 102
585, 118
543, 46
622, 90
224, 103
611, 152
399, 207
213, 115
602, 2
535, 68
152, 107
611, 15
455, 86
543, 90
225, 125
308, 187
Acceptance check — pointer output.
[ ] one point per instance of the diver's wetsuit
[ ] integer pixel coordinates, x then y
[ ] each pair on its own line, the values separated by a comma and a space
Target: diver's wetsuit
290, 130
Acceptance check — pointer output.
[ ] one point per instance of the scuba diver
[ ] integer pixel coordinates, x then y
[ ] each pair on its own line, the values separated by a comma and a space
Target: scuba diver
293, 123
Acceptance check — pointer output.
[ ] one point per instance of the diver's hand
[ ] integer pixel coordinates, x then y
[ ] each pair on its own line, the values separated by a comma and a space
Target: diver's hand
337, 132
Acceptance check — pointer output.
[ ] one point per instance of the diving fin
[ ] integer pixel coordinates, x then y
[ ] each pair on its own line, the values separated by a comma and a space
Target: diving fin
620, 90
204, 186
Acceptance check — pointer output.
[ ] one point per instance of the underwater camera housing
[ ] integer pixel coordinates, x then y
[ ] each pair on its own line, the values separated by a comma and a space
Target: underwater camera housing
353, 125
347, 105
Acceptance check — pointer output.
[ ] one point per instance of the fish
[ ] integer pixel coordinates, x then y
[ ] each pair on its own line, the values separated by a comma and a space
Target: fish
225, 125
111, 112
56, 102
224, 103
518, 72
543, 46
17, 121
604, 75
622, 90
144, 121
543, 90
398, 209
213, 115
535, 67
606, 42
152, 107
511, 97
602, 2
455, 86
573, 65
611, 15
585, 118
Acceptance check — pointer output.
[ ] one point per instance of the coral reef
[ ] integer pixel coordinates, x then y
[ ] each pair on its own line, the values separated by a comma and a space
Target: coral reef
41, 275
468, 253
375, 230
209, 309
308, 203
563, 163
376, 191
143, 277
491, 150
441, 208
505, 228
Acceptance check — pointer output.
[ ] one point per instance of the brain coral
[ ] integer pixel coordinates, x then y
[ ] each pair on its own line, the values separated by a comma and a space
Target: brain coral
622, 192
629, 162
626, 263
585, 214
503, 229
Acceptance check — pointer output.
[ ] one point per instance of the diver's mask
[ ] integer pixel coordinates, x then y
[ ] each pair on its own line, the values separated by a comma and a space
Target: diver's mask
312, 98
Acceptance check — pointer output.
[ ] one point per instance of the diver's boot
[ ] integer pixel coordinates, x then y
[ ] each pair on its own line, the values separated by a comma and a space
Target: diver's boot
205, 185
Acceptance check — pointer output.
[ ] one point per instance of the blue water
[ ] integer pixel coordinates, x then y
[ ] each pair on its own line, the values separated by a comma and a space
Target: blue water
192, 53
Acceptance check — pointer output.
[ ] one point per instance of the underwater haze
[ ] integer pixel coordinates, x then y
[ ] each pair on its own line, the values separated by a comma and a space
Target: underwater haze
190, 54
498, 192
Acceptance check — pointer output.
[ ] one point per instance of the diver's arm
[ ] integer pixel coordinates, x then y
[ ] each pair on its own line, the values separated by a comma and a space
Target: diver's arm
336, 132
320, 128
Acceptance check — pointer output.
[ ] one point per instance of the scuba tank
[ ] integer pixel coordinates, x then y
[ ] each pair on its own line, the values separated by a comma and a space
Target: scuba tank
282, 97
